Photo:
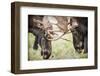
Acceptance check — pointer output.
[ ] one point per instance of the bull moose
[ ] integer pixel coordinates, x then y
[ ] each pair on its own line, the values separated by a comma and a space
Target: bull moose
79, 29
44, 32
37, 29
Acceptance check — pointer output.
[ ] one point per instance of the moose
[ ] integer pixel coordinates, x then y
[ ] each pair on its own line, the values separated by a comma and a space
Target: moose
45, 32
79, 29
37, 29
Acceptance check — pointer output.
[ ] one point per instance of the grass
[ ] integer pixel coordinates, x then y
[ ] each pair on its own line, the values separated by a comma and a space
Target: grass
61, 49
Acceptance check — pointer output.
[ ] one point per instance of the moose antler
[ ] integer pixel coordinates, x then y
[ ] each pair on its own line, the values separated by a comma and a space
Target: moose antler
46, 25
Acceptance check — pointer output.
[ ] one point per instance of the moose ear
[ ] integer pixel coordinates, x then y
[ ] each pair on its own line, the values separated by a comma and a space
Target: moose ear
34, 20
74, 22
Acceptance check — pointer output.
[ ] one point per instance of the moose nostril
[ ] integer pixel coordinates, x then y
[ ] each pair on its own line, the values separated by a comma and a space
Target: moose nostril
45, 53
